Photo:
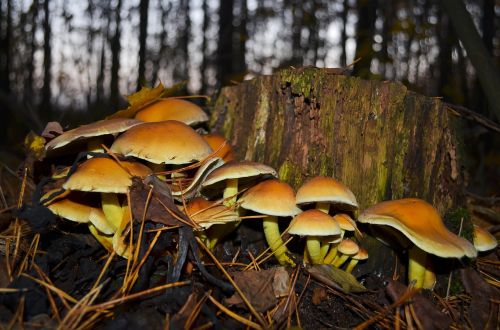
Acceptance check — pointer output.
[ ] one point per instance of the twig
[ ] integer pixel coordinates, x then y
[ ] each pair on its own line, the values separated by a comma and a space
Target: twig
237, 288
235, 316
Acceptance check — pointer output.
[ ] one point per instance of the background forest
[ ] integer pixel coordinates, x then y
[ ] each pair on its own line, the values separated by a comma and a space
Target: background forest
73, 61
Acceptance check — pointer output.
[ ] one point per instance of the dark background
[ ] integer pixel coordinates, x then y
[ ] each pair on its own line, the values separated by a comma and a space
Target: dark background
71, 62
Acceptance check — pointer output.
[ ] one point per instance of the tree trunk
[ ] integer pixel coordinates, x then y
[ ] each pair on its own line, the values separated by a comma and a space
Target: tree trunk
378, 138
204, 44
143, 35
30, 64
225, 43
115, 58
47, 62
365, 28
487, 72
343, 34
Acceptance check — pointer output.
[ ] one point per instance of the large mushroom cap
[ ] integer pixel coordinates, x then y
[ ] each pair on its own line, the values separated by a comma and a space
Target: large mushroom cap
169, 142
173, 109
105, 175
314, 223
483, 239
328, 190
238, 170
419, 222
270, 197
99, 128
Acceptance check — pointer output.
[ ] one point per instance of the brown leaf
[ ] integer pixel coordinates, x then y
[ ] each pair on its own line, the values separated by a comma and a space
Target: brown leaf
318, 295
427, 313
139, 100
335, 278
257, 286
52, 129
482, 310
161, 207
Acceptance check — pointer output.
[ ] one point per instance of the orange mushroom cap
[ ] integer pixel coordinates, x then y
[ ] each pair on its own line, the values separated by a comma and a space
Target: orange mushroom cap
420, 222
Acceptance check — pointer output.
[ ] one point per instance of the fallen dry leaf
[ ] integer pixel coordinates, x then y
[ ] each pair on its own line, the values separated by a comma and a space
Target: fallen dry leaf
319, 294
281, 282
52, 129
335, 278
482, 310
161, 207
426, 312
139, 100
257, 286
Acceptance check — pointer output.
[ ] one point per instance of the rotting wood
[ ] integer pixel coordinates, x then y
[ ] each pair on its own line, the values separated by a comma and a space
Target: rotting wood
379, 138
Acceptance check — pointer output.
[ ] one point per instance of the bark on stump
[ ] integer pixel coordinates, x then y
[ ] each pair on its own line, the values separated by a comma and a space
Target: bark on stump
377, 137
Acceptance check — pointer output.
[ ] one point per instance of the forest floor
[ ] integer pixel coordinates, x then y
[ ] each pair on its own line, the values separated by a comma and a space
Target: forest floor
56, 275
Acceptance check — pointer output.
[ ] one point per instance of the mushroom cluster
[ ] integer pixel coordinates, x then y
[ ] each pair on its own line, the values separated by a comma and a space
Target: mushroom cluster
217, 191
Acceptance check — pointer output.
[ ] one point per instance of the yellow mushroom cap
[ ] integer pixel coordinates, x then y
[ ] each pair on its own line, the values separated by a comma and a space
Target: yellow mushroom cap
105, 175
69, 206
328, 190
238, 170
169, 142
348, 247
270, 197
206, 213
420, 222
173, 109
345, 222
314, 223
361, 255
99, 128
219, 144
483, 239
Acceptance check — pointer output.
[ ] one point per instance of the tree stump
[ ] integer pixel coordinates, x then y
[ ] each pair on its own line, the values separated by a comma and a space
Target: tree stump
377, 137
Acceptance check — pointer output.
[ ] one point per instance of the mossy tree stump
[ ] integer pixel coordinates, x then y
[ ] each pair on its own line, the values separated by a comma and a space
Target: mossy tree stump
377, 137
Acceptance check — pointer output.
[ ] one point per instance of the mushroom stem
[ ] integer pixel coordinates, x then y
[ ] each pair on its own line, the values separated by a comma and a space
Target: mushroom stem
323, 207
314, 250
350, 266
112, 209
429, 279
325, 246
331, 255
105, 240
119, 245
273, 238
340, 260
417, 266
230, 192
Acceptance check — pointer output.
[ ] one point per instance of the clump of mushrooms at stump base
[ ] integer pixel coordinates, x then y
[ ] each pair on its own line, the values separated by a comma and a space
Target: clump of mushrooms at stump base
326, 193
420, 222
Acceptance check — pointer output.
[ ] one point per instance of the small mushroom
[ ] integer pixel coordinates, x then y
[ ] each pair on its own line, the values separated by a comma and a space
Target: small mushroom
314, 224
347, 248
361, 255
483, 239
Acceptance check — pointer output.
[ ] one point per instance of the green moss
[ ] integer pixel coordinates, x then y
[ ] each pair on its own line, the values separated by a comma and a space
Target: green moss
301, 80
460, 217
291, 173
